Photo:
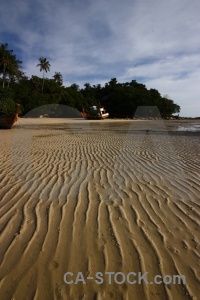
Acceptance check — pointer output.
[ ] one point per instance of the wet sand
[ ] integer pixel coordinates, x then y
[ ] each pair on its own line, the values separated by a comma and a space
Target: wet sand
98, 196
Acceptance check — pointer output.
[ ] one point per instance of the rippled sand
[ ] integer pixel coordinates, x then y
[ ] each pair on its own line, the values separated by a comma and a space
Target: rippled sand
98, 196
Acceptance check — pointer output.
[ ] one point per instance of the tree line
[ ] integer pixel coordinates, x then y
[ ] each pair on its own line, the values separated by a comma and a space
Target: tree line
119, 99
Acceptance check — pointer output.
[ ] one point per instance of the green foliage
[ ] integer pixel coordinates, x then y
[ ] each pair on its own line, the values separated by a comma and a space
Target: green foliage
58, 78
7, 104
9, 65
122, 99
119, 99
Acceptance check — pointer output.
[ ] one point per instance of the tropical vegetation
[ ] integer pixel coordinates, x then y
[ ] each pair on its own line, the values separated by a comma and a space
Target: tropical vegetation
119, 99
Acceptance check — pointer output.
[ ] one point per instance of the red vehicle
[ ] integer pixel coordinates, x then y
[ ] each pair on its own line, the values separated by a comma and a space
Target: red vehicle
7, 120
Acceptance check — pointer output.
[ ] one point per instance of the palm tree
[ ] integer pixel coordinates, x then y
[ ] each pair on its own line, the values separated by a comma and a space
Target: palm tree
5, 60
9, 64
13, 69
44, 66
58, 78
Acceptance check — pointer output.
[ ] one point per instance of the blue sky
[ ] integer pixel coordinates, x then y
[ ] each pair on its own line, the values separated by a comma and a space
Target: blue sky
155, 42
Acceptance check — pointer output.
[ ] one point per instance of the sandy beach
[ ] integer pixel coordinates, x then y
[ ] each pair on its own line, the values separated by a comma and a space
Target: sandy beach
99, 196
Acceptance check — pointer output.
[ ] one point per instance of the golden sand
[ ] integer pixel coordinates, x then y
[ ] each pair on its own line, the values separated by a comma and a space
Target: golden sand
98, 196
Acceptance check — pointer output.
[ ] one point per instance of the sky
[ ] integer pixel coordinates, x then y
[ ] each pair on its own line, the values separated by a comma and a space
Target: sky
155, 42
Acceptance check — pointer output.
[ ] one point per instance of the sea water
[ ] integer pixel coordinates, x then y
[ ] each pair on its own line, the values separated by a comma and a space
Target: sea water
189, 127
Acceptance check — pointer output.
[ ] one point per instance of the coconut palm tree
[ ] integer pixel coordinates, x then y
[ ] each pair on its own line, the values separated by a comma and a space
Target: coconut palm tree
44, 66
5, 60
9, 64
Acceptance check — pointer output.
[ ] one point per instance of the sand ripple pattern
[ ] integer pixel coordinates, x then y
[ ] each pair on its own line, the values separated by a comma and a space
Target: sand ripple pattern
98, 197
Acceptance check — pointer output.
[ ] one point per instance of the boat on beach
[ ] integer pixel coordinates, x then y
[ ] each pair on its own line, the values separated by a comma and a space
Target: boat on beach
95, 113
7, 120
